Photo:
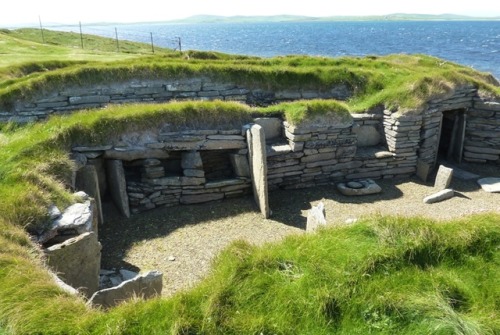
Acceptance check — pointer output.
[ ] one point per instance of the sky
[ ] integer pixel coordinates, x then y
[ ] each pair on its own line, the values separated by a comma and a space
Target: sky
27, 12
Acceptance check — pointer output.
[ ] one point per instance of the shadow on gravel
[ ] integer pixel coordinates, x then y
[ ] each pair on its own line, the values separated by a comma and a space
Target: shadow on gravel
118, 234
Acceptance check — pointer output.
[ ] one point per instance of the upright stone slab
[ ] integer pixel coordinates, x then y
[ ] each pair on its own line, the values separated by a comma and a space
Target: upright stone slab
240, 165
443, 177
145, 286
316, 217
423, 170
87, 181
118, 185
258, 166
77, 262
272, 127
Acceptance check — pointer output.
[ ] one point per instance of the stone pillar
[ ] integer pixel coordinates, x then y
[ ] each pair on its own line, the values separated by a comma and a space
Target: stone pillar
258, 166
118, 185
77, 262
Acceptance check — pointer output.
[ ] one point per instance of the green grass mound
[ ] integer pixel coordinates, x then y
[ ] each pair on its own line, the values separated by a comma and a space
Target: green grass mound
396, 81
384, 275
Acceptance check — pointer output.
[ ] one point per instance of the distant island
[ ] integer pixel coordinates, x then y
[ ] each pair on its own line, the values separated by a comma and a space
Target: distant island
295, 18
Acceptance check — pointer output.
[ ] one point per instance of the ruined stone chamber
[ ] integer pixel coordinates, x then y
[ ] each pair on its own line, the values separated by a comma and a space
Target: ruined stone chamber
172, 165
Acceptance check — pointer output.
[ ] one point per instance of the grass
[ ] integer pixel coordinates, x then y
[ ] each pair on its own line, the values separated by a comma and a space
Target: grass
396, 81
383, 275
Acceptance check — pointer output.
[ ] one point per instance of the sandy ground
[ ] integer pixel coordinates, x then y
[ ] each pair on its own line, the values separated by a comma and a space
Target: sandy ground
182, 241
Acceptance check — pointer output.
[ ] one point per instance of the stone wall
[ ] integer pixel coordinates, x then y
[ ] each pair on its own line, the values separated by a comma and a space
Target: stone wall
149, 91
482, 135
168, 166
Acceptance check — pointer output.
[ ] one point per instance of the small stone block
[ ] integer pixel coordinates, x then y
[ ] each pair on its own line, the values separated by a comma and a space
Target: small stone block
443, 177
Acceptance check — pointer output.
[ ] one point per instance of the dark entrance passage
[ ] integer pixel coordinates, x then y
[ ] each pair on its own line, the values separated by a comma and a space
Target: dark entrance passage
451, 142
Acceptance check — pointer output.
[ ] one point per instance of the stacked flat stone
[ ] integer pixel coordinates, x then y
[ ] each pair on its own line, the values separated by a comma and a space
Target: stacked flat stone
152, 168
482, 142
147, 91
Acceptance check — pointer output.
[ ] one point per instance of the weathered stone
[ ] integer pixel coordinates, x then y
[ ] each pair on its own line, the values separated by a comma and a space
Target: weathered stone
131, 154
318, 157
316, 217
150, 162
191, 160
96, 148
258, 167
192, 181
226, 137
439, 196
118, 185
343, 166
76, 219
272, 127
487, 157
200, 198
166, 181
90, 99
240, 165
87, 181
222, 144
54, 212
367, 136
423, 170
490, 184
77, 261
194, 173
224, 183
368, 187
145, 286
354, 184
443, 177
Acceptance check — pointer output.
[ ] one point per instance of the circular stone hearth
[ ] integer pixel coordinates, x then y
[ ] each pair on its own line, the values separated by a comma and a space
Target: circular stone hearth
360, 187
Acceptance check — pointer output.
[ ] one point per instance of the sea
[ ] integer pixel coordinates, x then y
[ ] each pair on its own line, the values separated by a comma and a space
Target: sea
471, 43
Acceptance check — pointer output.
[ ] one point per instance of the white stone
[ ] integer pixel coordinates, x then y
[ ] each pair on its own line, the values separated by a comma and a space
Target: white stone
443, 177
490, 184
316, 217
439, 196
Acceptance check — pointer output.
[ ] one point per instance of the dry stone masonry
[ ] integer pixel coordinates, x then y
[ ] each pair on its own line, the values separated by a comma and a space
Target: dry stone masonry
168, 166
148, 91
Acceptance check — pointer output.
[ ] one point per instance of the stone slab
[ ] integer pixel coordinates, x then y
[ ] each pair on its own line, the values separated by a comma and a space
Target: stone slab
423, 170
240, 165
191, 160
367, 136
87, 181
77, 261
439, 196
316, 217
490, 184
272, 127
145, 286
258, 167
443, 177
118, 185
200, 198
76, 219
368, 187
130, 154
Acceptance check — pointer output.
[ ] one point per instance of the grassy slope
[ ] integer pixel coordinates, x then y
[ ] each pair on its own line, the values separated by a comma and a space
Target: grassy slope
396, 80
390, 275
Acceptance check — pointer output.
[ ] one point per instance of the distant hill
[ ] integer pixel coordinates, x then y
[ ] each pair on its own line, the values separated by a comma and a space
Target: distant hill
294, 18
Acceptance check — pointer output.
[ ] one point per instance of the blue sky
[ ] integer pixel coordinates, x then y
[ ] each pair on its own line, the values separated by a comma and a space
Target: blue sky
71, 12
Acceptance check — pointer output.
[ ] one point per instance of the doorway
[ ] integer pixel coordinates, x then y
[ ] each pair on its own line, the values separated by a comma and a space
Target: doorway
451, 140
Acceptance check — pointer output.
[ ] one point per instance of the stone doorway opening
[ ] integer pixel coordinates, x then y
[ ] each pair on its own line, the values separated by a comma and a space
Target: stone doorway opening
451, 140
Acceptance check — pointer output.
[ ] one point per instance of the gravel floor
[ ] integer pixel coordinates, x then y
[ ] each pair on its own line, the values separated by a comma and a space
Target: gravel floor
182, 241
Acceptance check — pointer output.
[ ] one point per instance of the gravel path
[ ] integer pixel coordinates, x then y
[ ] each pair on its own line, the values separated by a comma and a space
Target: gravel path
182, 241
